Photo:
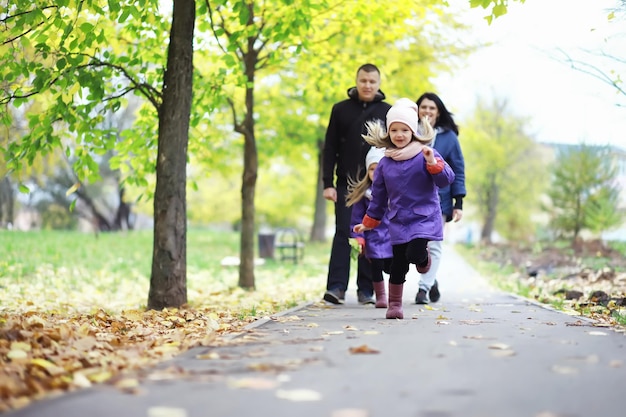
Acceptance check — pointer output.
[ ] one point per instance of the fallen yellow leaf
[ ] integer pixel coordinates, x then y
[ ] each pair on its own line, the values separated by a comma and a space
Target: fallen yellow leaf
49, 367
299, 395
363, 349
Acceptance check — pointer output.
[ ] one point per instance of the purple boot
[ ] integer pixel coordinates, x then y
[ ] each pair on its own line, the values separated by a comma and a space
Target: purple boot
381, 294
395, 302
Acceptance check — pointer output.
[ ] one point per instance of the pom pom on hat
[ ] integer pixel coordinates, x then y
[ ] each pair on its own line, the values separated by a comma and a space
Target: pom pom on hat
406, 102
404, 111
374, 156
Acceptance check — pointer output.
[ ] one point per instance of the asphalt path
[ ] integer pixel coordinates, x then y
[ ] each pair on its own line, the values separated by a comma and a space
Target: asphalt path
478, 352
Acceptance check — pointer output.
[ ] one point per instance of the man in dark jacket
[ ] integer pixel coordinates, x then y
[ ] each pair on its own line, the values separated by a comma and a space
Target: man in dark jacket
344, 157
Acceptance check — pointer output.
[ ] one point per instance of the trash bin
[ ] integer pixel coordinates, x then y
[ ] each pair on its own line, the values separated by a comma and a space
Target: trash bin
266, 245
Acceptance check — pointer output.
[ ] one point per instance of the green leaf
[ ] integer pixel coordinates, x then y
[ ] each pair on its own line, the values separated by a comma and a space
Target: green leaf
124, 16
86, 27
61, 63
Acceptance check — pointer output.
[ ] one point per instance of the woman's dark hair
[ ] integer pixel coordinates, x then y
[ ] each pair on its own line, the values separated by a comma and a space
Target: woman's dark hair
445, 119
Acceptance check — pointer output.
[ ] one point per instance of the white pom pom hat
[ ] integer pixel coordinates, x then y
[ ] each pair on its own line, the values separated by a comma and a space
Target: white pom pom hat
403, 111
374, 156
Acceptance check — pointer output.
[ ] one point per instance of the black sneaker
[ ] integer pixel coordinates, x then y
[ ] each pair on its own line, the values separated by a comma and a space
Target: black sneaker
365, 299
421, 297
335, 296
434, 293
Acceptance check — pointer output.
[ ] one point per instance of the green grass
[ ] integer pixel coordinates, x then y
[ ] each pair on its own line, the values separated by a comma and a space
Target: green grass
73, 271
620, 317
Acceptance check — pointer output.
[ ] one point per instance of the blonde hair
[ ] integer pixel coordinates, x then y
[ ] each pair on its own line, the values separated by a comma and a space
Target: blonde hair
357, 189
377, 135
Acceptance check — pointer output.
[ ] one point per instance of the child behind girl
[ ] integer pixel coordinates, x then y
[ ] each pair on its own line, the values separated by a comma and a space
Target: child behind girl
406, 192
374, 244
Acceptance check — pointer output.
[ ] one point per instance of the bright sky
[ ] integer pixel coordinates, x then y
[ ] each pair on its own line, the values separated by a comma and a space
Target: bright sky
525, 66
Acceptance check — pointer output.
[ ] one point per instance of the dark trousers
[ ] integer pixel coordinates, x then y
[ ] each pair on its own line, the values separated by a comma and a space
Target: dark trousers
377, 267
413, 252
339, 264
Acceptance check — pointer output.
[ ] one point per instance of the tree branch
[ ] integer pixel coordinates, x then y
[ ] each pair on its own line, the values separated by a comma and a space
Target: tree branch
594, 71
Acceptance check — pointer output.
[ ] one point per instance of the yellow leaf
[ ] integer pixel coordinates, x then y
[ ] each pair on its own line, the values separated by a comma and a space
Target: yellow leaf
80, 380
127, 383
350, 412
16, 354
99, 377
503, 353
299, 395
72, 189
210, 355
49, 367
253, 383
363, 349
20, 346
499, 346
36, 321
166, 412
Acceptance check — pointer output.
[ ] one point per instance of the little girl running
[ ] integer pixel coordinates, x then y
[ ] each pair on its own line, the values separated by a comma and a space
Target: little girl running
374, 244
406, 192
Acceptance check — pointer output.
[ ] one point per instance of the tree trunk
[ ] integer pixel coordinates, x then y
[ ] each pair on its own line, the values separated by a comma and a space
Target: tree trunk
7, 202
492, 209
248, 190
168, 280
99, 221
122, 216
250, 171
318, 231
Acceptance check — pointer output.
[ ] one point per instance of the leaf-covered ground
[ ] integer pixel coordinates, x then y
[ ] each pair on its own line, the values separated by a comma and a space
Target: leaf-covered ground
588, 279
72, 308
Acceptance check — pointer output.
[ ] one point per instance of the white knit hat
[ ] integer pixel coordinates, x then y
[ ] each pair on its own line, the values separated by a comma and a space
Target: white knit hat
374, 156
406, 102
404, 111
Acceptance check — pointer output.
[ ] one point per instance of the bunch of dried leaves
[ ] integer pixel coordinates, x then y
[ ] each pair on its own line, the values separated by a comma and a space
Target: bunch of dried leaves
588, 279
44, 353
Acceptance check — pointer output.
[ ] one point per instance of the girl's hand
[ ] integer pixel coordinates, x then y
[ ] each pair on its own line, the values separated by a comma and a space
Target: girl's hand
359, 228
429, 155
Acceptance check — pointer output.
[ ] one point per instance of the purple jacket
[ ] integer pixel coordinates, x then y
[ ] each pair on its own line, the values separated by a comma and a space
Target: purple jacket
377, 243
410, 194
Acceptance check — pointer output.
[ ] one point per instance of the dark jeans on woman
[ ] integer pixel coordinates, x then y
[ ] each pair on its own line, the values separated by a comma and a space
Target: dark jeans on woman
404, 254
339, 264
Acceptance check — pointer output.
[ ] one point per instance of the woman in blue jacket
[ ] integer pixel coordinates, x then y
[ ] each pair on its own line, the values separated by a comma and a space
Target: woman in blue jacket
446, 142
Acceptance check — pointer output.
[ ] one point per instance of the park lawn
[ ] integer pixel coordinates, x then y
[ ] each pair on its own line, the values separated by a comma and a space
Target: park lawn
72, 305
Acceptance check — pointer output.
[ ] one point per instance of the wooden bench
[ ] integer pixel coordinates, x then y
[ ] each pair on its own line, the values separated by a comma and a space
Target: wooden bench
289, 244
